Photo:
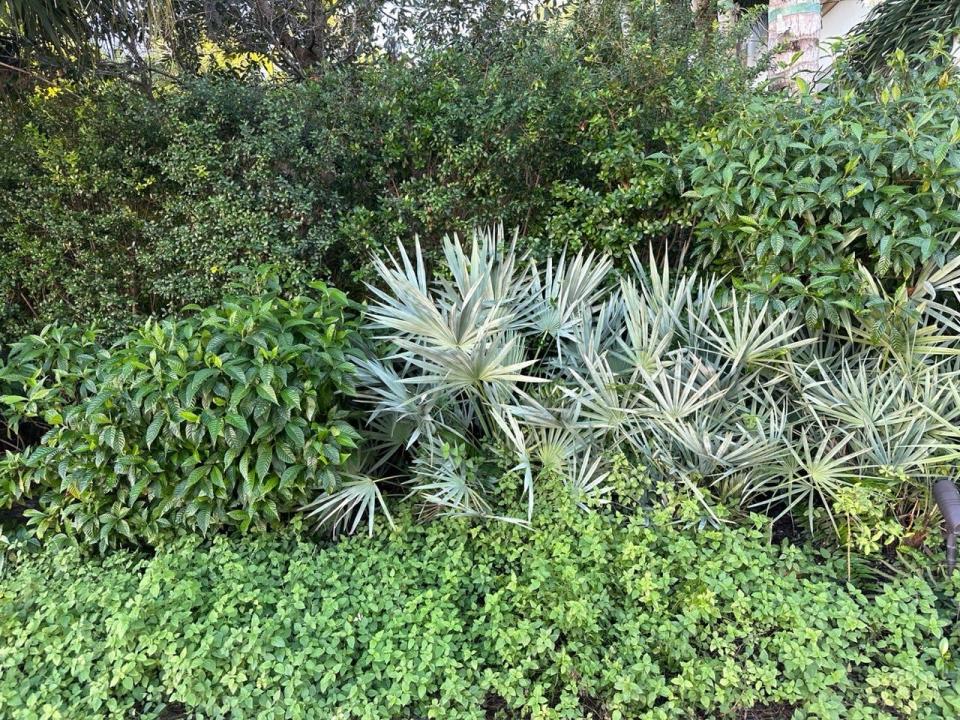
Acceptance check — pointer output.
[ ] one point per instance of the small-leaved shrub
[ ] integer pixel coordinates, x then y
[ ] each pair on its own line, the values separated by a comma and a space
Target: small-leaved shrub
117, 204
583, 615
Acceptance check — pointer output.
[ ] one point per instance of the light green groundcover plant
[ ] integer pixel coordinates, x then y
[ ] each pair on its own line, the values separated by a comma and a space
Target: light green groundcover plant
584, 615
551, 367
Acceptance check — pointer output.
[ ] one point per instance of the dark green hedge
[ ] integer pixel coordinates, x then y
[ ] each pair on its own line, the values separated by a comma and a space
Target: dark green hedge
625, 126
117, 204
584, 615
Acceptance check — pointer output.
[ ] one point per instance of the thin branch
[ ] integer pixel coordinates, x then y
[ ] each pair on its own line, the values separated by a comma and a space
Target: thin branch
41, 78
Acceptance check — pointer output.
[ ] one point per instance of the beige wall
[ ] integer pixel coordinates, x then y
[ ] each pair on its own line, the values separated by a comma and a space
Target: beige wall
837, 22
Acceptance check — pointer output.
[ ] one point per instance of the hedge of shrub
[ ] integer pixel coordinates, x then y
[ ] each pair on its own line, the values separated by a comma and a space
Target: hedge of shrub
243, 412
494, 385
118, 204
583, 615
816, 198
233, 415
588, 134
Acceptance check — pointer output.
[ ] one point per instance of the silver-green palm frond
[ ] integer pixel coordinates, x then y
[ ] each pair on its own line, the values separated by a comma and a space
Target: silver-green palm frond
490, 271
905, 450
912, 325
717, 443
600, 334
650, 329
510, 427
681, 385
406, 306
554, 448
857, 395
937, 292
587, 479
610, 403
817, 470
663, 292
388, 396
749, 338
357, 501
903, 422
492, 368
446, 485
566, 291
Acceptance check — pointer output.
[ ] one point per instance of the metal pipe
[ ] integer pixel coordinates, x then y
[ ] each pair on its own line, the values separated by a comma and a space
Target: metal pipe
948, 500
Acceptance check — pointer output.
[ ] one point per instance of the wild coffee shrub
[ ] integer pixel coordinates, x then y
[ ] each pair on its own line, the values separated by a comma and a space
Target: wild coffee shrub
815, 199
43, 373
229, 416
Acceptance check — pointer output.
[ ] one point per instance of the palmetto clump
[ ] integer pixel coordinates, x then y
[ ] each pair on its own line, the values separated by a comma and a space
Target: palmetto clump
567, 364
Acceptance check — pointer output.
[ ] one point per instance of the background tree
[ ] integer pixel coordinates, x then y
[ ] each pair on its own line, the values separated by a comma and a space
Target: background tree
301, 38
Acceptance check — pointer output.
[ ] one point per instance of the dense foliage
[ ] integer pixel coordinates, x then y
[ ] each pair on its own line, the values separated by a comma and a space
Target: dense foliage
594, 426
230, 416
808, 197
551, 368
43, 374
234, 415
119, 204
584, 615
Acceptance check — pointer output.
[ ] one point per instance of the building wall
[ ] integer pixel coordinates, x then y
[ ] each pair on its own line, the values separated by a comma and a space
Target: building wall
837, 22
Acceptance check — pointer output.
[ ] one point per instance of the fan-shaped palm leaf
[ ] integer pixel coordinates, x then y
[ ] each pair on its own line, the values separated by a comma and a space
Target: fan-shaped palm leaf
346, 508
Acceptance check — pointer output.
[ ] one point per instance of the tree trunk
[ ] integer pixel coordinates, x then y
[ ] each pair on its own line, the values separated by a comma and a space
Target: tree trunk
701, 12
795, 31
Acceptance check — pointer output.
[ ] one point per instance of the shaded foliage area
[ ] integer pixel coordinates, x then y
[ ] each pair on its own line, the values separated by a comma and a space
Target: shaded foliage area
119, 204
